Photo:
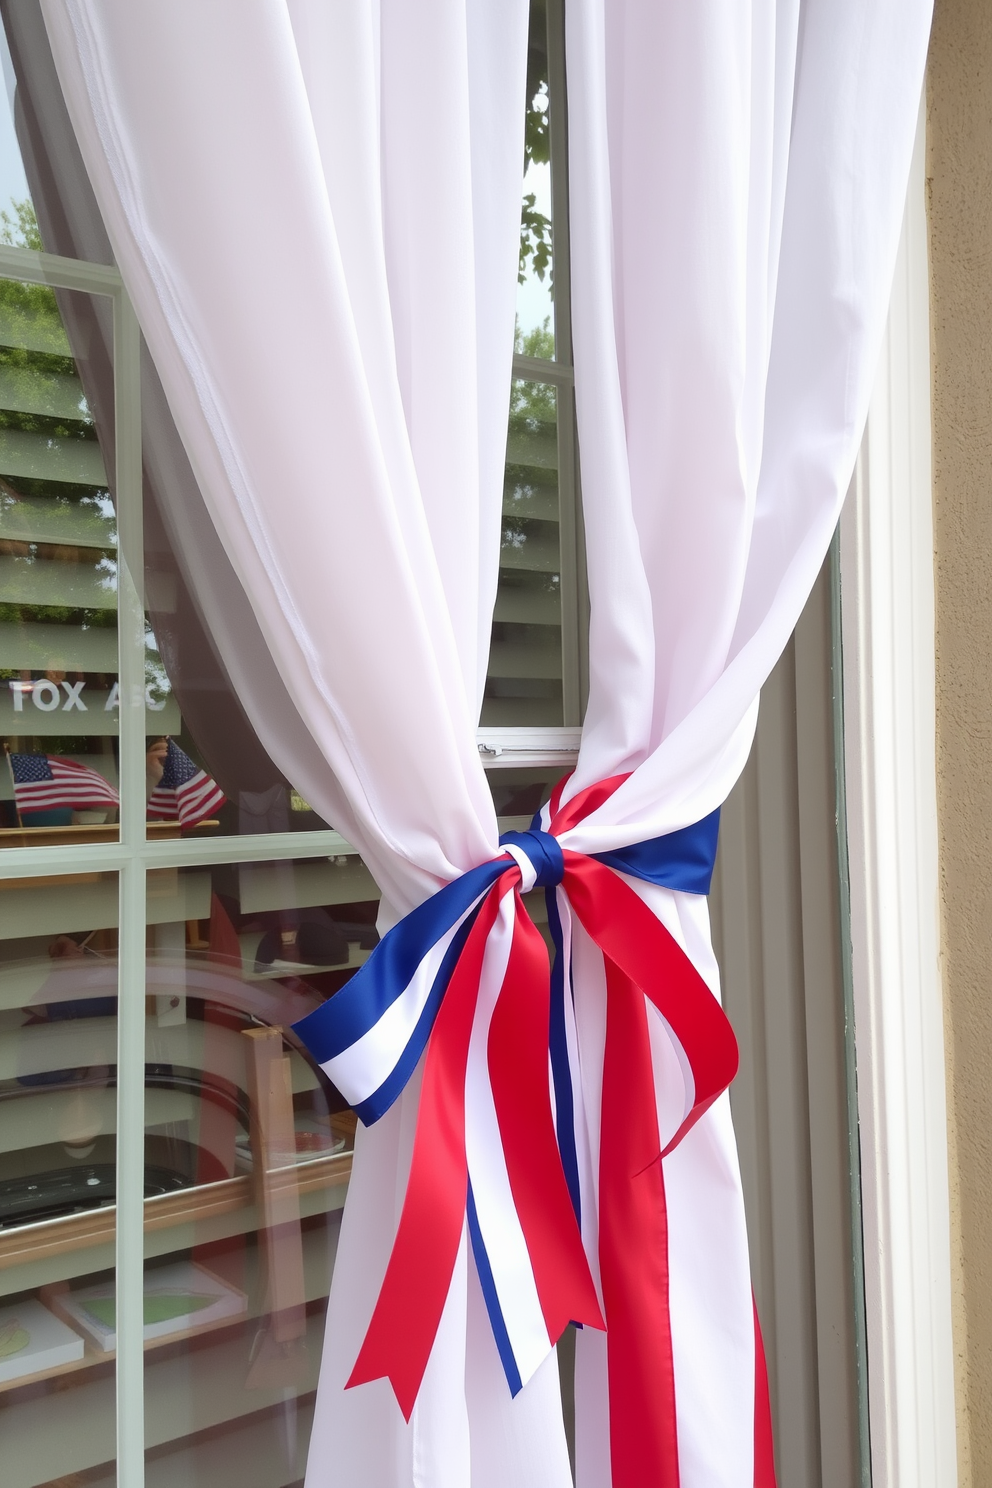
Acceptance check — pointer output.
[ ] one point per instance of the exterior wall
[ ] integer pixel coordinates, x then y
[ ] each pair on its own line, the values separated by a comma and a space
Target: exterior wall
959, 170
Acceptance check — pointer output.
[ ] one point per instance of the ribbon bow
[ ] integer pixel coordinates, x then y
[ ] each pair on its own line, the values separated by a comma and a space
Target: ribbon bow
465, 977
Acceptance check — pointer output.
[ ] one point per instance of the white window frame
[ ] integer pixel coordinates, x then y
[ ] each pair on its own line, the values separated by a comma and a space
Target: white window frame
887, 591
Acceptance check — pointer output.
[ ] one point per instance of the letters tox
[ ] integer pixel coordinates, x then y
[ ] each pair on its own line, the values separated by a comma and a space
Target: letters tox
68, 696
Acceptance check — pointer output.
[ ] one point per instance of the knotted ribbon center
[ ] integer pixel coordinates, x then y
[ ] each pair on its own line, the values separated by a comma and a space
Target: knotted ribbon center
538, 856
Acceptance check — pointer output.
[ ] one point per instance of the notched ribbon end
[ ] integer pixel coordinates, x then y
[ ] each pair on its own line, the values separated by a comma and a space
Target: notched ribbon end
406, 1398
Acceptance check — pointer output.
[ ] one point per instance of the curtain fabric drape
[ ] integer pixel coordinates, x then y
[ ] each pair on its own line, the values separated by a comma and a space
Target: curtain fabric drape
737, 182
375, 359
315, 210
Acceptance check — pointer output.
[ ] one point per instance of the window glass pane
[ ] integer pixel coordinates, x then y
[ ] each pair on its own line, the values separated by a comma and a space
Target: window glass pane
15, 194
58, 567
58, 1053
238, 1267
524, 684
44, 190
535, 301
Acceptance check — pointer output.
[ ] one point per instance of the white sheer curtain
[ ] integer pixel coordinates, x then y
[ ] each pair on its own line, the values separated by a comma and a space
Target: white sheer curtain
737, 182
315, 209
326, 276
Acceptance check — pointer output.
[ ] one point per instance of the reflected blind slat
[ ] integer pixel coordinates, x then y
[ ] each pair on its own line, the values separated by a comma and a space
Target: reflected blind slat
525, 674
41, 581
29, 331
51, 394
76, 462
527, 606
31, 647
532, 502
535, 552
537, 449
45, 519
529, 659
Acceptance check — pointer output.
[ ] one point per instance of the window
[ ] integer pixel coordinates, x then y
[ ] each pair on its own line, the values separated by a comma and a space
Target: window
169, 904
535, 668
537, 681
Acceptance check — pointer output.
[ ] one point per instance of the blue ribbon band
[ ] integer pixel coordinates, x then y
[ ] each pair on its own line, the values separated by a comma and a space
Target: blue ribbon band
680, 860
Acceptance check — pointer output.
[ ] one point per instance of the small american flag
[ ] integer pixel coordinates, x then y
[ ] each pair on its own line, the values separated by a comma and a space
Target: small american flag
48, 782
185, 793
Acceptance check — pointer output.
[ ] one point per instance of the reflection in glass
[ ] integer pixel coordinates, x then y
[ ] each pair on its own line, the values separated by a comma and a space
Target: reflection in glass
56, 370
59, 696
238, 1267
58, 1188
59, 701
58, 564
524, 680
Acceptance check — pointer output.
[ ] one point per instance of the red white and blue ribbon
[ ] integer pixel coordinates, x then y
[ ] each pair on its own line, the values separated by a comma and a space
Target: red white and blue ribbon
463, 982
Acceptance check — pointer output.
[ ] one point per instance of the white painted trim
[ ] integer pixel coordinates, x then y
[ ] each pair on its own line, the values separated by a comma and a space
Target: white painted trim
510, 748
888, 644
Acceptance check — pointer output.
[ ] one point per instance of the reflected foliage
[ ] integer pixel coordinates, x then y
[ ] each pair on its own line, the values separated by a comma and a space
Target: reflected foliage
42, 397
535, 227
530, 490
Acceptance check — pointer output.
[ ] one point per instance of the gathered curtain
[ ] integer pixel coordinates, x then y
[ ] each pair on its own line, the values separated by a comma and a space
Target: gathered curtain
315, 209
737, 182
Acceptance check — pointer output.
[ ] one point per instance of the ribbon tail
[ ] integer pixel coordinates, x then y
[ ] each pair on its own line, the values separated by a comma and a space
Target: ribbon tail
404, 1323
632, 937
633, 1251
561, 1069
642, 960
518, 1071
764, 1444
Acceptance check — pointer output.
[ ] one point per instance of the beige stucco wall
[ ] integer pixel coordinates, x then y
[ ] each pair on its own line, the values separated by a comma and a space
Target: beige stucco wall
959, 139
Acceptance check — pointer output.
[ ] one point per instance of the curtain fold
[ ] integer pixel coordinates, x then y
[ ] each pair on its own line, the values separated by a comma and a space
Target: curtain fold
315, 209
